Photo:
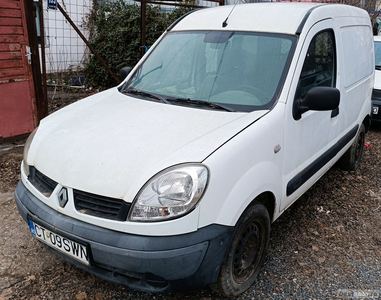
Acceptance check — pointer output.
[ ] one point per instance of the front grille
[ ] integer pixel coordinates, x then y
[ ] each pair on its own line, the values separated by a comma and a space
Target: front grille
86, 203
41, 182
100, 206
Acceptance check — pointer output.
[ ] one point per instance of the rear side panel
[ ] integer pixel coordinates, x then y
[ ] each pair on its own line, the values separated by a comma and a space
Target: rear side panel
358, 71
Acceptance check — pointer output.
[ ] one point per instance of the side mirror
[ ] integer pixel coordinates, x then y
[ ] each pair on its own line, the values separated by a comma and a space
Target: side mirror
319, 98
123, 73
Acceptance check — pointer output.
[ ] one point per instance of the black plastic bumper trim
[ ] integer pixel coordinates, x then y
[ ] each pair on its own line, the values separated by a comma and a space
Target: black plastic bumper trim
177, 262
376, 102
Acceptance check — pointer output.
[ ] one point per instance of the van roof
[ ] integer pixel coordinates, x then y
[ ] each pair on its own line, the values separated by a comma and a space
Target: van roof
280, 17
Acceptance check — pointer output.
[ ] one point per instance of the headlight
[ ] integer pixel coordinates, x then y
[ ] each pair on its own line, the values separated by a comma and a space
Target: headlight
170, 194
26, 150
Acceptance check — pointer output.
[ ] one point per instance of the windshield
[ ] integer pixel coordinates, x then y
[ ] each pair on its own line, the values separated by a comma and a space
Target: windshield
377, 53
239, 70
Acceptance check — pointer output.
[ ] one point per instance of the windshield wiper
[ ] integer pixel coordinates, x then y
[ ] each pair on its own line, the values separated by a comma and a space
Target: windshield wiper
203, 103
143, 93
378, 67
182, 100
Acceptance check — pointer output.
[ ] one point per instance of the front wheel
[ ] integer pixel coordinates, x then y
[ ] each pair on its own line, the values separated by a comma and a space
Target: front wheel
246, 253
352, 158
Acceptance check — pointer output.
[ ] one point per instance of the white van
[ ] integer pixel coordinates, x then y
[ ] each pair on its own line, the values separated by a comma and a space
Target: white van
171, 180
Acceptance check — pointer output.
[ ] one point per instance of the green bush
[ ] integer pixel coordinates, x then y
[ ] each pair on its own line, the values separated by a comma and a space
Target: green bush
116, 37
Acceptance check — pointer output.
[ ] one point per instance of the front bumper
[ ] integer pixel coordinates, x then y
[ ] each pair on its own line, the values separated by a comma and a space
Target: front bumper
146, 263
376, 105
376, 117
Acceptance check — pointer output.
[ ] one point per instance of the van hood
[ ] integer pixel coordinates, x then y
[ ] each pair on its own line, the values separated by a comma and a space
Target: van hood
110, 143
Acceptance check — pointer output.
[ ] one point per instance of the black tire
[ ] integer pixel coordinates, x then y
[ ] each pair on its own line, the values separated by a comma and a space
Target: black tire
352, 158
246, 252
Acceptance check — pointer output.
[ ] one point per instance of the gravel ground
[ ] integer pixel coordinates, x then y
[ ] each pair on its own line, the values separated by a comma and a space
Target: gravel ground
326, 246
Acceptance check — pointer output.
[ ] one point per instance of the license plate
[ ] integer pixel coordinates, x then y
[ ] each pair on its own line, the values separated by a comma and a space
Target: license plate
375, 110
56, 241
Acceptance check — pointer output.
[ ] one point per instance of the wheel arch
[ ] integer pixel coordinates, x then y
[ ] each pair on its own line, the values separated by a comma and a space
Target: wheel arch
232, 195
267, 199
366, 123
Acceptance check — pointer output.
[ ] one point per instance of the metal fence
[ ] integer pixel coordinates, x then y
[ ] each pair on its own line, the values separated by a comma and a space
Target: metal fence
65, 51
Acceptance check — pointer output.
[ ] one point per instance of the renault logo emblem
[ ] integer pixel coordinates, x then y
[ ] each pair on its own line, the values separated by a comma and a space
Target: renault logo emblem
62, 197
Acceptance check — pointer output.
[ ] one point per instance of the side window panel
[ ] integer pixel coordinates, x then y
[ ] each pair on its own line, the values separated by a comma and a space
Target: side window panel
357, 63
319, 68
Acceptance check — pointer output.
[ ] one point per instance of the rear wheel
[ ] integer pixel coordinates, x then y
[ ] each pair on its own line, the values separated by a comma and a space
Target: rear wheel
246, 253
352, 158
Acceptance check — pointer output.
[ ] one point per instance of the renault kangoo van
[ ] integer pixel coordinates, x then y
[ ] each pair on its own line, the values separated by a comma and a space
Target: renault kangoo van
171, 180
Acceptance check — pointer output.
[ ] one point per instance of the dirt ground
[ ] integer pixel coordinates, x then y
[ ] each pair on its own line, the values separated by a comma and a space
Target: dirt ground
326, 246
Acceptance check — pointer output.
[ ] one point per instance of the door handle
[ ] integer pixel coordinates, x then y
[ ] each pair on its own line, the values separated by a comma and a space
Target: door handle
29, 54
